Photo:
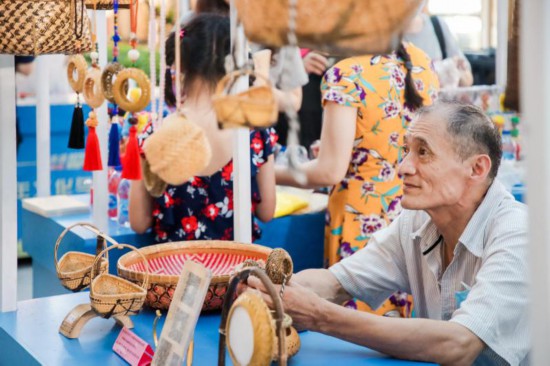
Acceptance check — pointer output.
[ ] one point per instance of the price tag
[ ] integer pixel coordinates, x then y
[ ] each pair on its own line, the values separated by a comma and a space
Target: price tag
133, 349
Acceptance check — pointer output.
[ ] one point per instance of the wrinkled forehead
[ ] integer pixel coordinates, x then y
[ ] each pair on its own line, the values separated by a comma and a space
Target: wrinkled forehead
430, 127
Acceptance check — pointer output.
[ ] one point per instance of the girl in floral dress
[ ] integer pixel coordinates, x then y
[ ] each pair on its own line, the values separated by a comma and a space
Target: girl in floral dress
202, 208
368, 103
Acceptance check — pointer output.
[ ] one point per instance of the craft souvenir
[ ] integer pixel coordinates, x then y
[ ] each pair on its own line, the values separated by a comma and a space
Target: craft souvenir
73, 269
76, 73
341, 32
152, 182
108, 4
253, 107
30, 28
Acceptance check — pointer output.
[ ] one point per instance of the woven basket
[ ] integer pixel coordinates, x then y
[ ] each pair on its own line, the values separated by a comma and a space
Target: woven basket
38, 27
111, 295
107, 4
254, 107
178, 150
153, 184
343, 27
166, 261
73, 269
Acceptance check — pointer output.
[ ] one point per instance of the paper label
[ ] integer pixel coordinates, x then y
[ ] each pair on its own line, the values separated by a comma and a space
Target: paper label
133, 349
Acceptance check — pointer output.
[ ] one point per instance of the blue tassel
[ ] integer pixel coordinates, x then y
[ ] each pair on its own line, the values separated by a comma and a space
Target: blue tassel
114, 145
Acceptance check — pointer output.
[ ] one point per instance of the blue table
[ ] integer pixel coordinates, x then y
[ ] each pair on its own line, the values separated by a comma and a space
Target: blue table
30, 336
301, 235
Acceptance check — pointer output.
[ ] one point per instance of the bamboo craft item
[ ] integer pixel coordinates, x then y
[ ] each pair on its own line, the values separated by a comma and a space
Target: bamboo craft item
254, 107
166, 260
114, 296
107, 4
73, 269
348, 27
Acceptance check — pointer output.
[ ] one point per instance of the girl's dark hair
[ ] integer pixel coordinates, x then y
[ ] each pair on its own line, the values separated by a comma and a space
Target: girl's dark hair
412, 98
212, 6
205, 43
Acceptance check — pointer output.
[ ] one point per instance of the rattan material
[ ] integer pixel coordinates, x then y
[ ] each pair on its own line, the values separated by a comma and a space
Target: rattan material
107, 4
153, 184
162, 285
178, 150
111, 295
109, 73
43, 27
77, 65
254, 107
73, 269
120, 88
279, 266
93, 94
343, 27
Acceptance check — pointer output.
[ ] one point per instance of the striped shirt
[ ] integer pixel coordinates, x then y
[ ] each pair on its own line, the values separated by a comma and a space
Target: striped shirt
490, 257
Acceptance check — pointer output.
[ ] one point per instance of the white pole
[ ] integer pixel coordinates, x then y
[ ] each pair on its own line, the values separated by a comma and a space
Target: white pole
8, 187
242, 220
43, 174
535, 94
502, 42
101, 194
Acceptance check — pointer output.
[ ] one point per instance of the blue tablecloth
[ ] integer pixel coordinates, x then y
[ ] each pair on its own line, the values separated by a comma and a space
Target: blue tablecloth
30, 336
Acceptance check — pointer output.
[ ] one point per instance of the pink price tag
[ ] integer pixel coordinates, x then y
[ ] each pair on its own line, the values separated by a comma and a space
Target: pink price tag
133, 349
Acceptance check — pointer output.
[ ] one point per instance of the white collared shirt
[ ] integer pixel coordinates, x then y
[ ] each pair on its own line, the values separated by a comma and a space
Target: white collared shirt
490, 257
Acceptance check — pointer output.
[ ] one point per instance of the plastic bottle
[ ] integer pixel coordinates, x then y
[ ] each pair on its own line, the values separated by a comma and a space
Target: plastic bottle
508, 146
122, 201
114, 180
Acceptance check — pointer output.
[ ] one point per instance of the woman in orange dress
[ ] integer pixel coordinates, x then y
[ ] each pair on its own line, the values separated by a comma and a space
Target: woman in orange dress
368, 103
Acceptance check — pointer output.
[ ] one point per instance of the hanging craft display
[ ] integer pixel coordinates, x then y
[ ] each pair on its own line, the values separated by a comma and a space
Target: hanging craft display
341, 32
131, 165
30, 28
108, 4
76, 72
93, 95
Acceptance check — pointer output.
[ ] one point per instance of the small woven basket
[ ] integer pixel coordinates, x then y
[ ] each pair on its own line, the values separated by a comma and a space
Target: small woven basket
73, 269
254, 107
166, 261
111, 295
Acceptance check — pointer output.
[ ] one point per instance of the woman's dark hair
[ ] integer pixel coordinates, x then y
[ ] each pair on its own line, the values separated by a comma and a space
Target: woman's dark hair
205, 43
212, 6
412, 98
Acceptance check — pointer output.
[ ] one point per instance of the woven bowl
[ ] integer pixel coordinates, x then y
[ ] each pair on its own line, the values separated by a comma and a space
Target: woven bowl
166, 262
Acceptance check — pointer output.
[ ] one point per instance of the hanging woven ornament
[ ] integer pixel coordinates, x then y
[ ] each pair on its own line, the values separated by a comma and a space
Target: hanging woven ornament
109, 74
93, 95
131, 165
76, 72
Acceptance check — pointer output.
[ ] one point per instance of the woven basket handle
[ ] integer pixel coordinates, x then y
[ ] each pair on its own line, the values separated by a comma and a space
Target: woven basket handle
91, 228
227, 82
241, 277
145, 282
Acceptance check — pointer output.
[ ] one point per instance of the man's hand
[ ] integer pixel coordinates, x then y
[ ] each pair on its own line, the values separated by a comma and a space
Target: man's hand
315, 63
302, 304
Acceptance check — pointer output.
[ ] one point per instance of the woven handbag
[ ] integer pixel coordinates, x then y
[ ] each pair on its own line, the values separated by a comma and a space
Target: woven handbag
342, 27
38, 27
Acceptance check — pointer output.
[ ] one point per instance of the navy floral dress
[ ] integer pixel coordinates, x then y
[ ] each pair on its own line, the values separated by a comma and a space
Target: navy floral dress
202, 208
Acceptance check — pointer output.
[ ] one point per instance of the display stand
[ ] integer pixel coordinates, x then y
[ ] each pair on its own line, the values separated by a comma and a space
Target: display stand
77, 318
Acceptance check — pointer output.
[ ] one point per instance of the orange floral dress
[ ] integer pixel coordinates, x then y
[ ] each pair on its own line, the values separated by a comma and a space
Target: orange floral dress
369, 197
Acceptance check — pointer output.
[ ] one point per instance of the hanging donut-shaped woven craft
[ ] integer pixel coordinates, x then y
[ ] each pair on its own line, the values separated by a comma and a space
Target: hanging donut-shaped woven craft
107, 80
93, 95
120, 94
76, 72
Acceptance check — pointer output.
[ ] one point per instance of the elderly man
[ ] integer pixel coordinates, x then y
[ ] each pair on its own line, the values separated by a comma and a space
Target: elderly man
460, 231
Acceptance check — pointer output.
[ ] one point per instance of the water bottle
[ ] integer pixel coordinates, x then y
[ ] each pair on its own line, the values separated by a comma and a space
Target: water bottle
114, 180
122, 200
508, 146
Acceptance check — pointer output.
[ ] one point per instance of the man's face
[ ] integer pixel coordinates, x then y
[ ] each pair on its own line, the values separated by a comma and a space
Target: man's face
434, 176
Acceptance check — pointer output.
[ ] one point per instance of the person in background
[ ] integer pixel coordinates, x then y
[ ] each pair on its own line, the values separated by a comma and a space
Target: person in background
432, 35
202, 208
23, 66
460, 247
368, 104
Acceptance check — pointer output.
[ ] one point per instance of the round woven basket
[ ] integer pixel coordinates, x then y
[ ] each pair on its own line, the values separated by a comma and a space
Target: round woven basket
166, 262
111, 295
254, 107
73, 269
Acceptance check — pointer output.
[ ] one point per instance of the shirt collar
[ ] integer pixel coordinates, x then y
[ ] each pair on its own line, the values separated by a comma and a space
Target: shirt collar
472, 236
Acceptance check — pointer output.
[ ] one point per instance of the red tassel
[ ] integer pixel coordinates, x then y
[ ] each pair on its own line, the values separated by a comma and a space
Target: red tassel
131, 164
92, 156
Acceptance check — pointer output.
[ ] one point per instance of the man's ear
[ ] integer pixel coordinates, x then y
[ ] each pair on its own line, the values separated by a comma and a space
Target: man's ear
481, 166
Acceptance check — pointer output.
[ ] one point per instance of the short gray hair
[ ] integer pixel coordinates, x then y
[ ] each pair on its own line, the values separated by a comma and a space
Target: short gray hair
471, 129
